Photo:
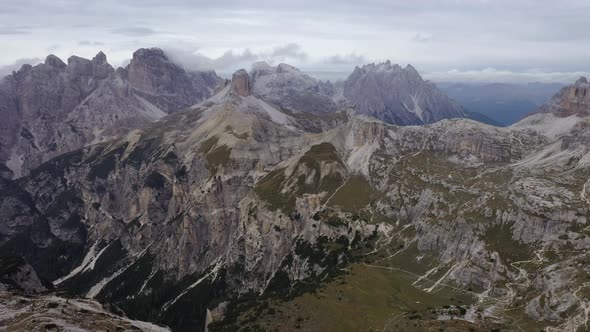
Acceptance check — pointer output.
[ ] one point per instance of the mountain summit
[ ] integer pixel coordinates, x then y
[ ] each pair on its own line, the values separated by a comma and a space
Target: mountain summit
292, 89
53, 107
391, 93
397, 95
571, 99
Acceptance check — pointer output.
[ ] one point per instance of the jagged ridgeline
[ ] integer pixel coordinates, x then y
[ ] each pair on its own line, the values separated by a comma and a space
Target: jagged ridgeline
250, 211
53, 107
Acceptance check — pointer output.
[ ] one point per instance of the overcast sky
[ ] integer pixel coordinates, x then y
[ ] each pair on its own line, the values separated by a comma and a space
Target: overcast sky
462, 40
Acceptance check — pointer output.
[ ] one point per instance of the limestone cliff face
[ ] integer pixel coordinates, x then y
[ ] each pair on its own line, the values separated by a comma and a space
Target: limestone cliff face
240, 83
165, 84
17, 275
572, 99
288, 87
231, 199
53, 108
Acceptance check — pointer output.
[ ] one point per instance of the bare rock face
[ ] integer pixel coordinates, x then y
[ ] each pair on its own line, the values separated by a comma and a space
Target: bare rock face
397, 95
55, 62
18, 275
53, 108
240, 83
570, 100
288, 87
168, 86
577, 98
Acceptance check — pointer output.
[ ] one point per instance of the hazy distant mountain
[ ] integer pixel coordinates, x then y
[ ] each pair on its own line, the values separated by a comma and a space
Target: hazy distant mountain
292, 89
53, 107
387, 92
397, 95
502, 102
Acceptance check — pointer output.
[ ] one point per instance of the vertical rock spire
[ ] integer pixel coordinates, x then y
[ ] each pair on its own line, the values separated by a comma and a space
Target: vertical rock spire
240, 83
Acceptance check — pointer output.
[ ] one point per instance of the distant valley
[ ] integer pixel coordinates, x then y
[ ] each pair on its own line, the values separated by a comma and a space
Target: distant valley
504, 103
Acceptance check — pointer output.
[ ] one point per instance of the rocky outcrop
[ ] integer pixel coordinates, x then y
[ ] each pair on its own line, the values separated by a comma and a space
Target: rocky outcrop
571, 100
167, 85
53, 108
26, 312
240, 83
397, 95
17, 275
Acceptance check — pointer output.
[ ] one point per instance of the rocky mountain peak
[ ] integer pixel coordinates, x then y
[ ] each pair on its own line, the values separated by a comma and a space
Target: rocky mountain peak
386, 66
410, 69
397, 95
145, 54
100, 67
76, 60
283, 67
97, 68
262, 66
240, 83
79, 66
97, 103
54, 61
290, 88
572, 99
153, 75
99, 58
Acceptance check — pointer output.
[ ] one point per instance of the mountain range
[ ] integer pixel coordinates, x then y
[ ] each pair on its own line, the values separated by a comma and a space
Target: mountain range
54, 108
285, 203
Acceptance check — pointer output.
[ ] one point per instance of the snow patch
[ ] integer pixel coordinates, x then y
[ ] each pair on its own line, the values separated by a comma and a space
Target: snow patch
89, 257
195, 284
154, 271
417, 109
96, 289
92, 263
15, 164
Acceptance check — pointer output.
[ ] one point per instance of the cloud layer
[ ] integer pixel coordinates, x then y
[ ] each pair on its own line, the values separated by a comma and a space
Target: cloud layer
8, 69
436, 36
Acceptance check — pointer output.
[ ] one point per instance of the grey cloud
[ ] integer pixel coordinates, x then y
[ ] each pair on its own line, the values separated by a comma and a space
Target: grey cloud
518, 35
8, 69
291, 50
53, 47
14, 31
232, 59
422, 37
198, 61
134, 31
490, 75
346, 59
90, 43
